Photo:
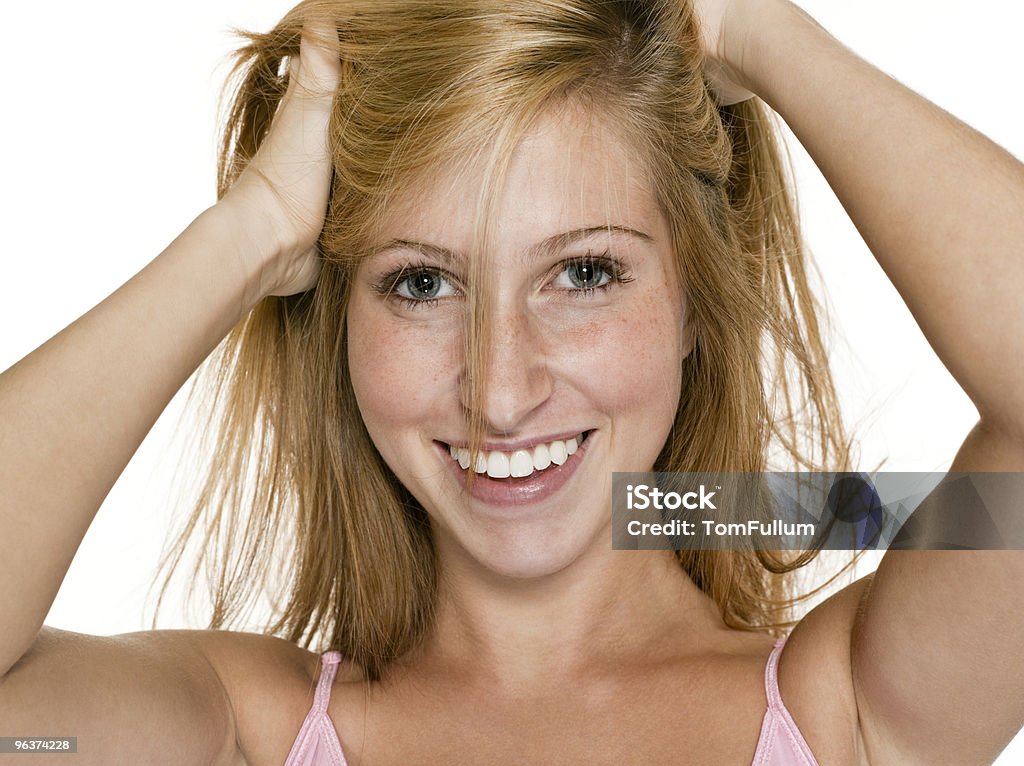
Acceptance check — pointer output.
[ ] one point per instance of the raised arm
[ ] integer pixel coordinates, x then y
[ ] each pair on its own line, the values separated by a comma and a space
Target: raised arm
75, 410
937, 659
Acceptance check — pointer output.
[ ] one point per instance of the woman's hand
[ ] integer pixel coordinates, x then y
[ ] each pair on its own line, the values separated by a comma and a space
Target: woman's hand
725, 36
89, 396
280, 199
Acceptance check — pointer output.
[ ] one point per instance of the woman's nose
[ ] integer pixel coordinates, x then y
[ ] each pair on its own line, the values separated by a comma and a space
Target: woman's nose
516, 380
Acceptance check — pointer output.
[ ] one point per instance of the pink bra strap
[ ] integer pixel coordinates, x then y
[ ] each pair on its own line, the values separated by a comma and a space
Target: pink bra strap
771, 676
328, 667
778, 707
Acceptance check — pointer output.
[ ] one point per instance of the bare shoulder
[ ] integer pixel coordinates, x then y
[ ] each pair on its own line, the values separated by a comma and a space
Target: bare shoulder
270, 682
168, 696
816, 681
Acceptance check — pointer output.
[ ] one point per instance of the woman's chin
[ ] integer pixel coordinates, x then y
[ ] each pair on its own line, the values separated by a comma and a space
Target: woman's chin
529, 556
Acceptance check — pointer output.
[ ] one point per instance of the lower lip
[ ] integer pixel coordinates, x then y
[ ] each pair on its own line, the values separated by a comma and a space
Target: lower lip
538, 486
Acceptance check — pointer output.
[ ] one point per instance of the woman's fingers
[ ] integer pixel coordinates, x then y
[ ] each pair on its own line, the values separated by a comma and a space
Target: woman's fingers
286, 186
723, 39
319, 63
295, 157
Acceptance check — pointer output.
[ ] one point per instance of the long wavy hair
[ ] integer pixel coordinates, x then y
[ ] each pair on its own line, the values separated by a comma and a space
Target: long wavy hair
296, 500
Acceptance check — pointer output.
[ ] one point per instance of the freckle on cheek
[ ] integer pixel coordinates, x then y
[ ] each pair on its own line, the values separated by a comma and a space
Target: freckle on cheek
400, 371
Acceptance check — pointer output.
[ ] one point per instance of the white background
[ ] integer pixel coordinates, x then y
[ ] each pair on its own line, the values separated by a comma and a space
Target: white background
108, 140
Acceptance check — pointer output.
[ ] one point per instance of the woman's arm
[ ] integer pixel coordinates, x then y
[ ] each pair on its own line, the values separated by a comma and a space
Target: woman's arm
75, 410
938, 204
937, 660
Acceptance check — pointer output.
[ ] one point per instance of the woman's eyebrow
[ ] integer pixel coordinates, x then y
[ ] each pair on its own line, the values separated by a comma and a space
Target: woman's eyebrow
560, 241
442, 254
548, 246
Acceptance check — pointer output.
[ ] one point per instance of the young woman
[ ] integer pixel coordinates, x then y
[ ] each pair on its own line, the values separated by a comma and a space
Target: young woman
483, 256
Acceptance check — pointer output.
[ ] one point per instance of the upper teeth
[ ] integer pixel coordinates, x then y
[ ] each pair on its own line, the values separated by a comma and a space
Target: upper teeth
521, 462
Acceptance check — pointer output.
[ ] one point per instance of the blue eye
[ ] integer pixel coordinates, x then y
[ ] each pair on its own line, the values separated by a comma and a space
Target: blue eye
423, 285
587, 274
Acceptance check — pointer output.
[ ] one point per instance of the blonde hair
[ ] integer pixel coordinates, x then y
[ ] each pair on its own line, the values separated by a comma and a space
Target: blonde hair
296, 479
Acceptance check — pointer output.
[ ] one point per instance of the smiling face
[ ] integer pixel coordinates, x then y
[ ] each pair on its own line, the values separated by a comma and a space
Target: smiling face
585, 348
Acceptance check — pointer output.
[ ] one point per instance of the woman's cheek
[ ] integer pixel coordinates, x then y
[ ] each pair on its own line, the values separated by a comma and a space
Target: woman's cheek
629, 360
627, 372
399, 370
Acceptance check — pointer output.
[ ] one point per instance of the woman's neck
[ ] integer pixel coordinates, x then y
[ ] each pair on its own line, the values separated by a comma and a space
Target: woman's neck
606, 609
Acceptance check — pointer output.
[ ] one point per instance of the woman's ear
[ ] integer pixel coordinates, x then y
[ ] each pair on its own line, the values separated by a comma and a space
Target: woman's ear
688, 338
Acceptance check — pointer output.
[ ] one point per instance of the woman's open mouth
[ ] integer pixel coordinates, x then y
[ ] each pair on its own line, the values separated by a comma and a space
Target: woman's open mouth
520, 476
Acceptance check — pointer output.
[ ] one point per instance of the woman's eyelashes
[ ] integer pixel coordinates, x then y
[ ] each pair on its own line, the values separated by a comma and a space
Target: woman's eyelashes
419, 285
423, 285
585, 275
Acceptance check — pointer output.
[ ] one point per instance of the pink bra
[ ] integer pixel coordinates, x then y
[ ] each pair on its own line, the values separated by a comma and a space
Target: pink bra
780, 743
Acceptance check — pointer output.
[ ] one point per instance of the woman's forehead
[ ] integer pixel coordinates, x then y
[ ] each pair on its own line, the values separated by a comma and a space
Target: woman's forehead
571, 170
